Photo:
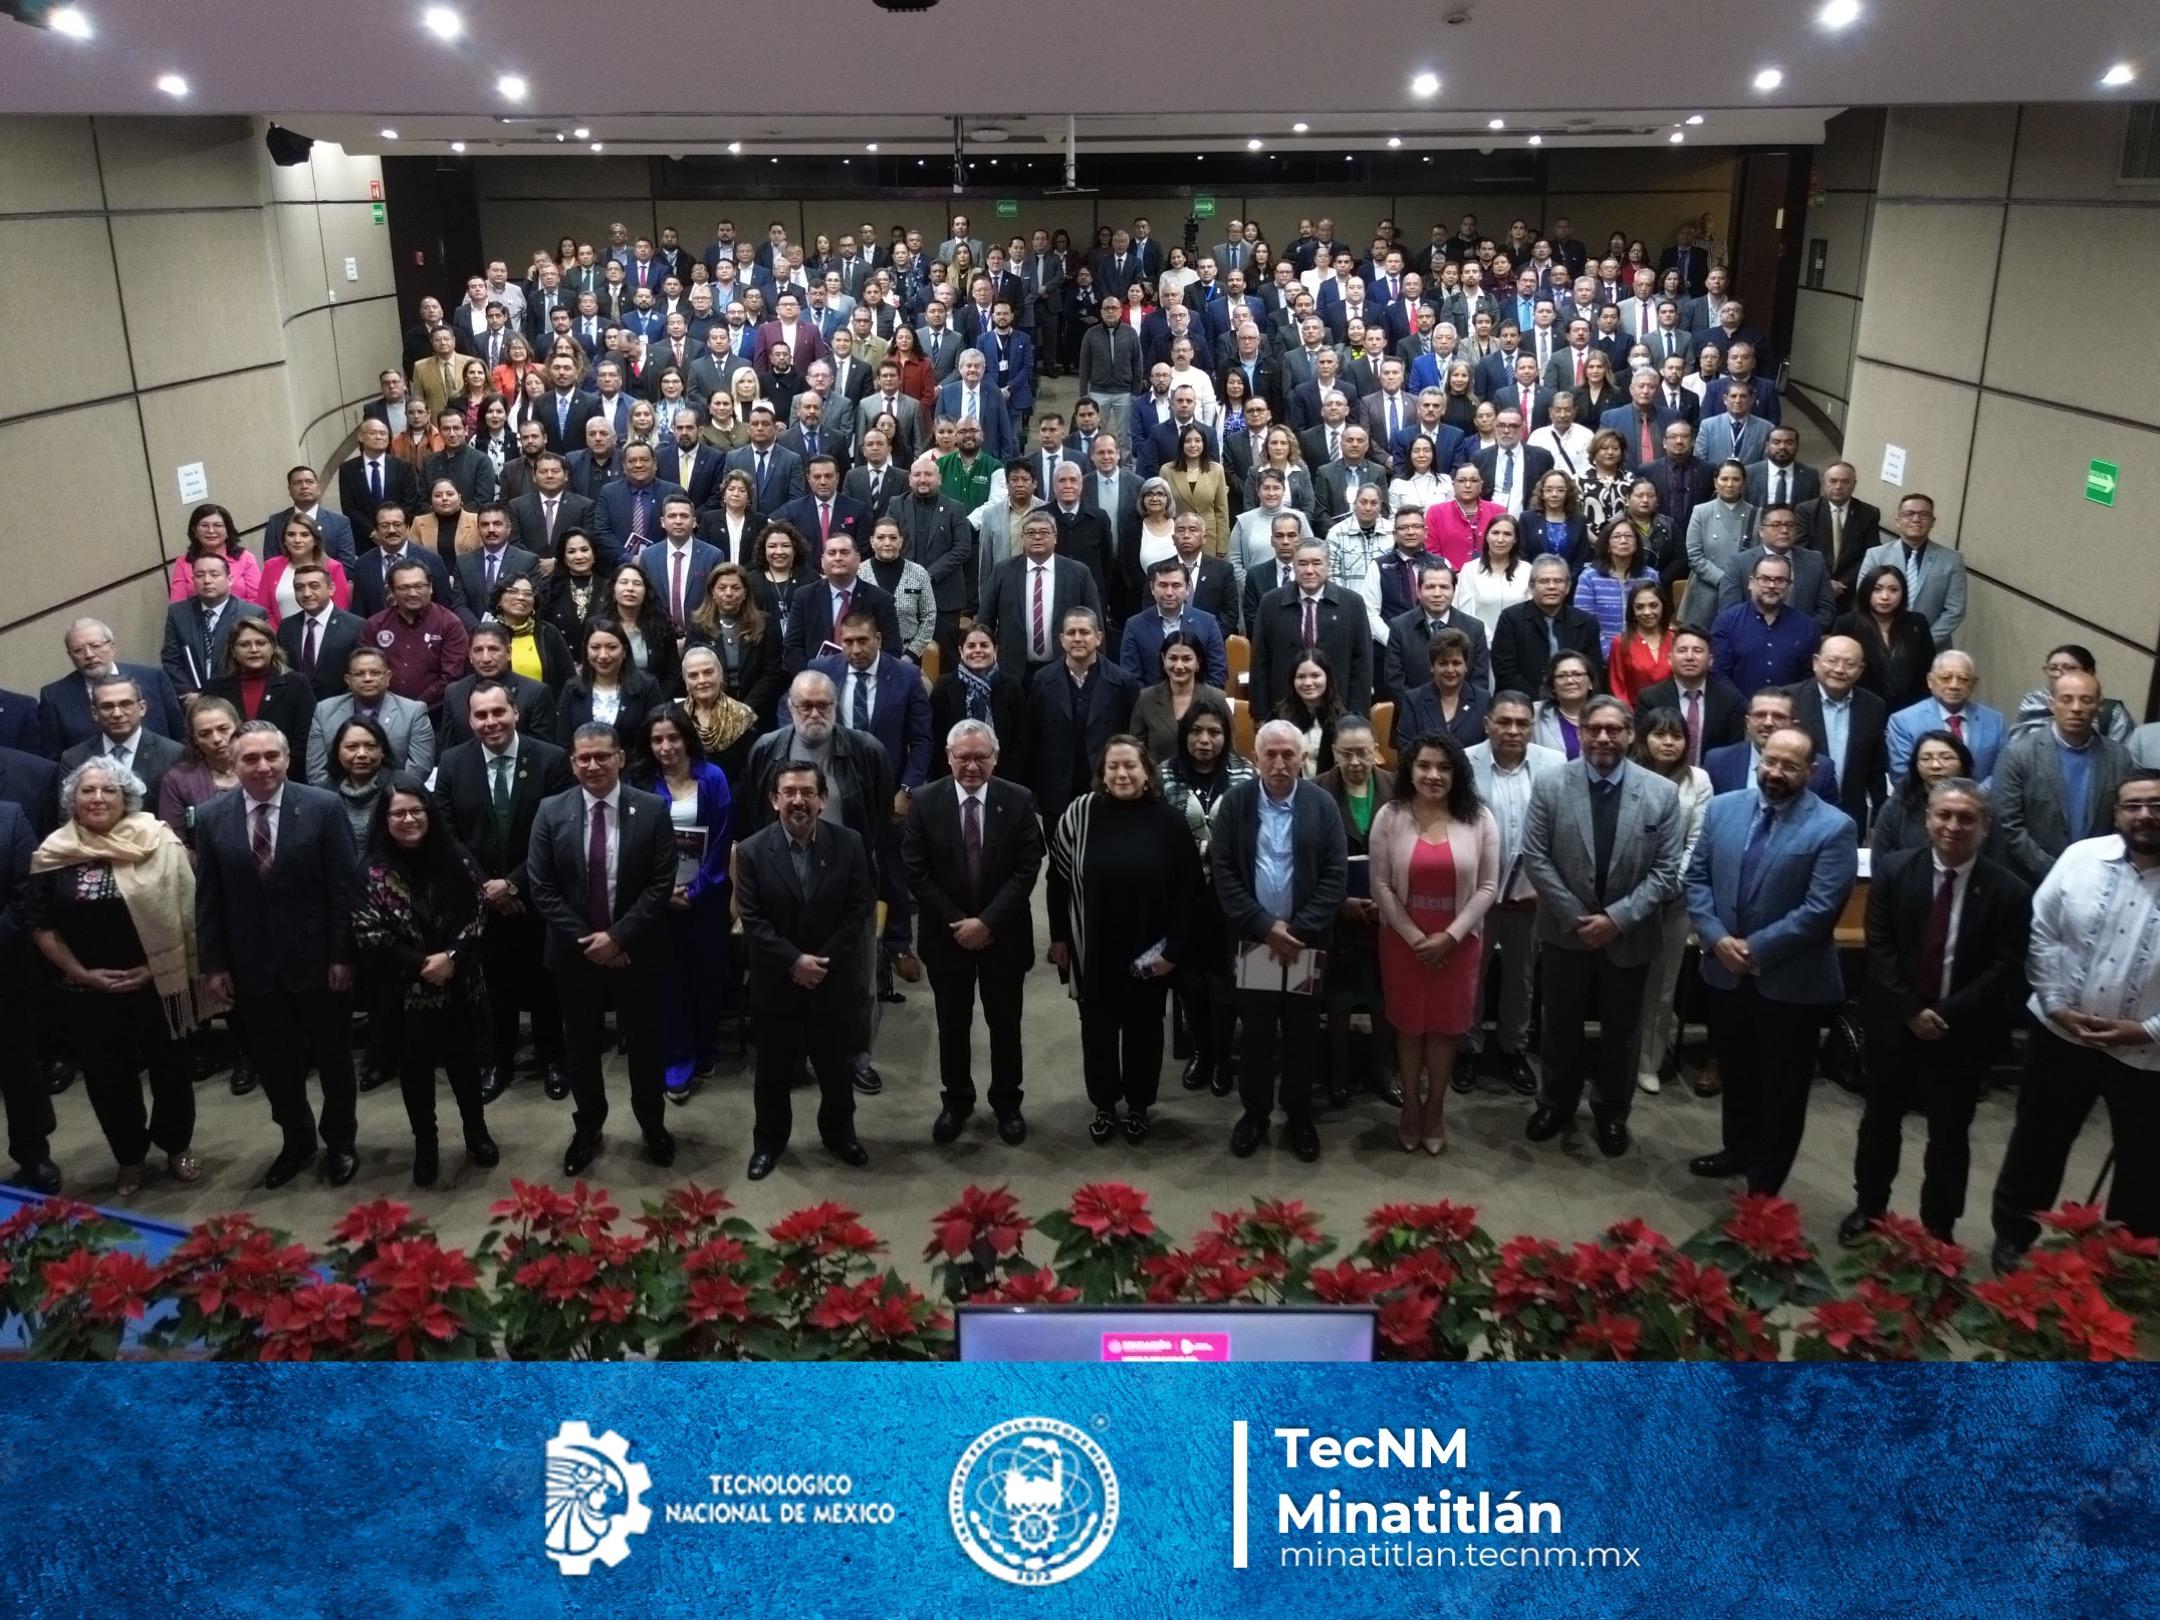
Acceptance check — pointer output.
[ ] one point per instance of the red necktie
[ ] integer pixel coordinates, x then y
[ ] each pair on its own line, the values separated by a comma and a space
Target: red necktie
597, 911
1649, 451
1694, 728
1957, 726
259, 845
1928, 982
824, 519
1312, 623
675, 591
1578, 368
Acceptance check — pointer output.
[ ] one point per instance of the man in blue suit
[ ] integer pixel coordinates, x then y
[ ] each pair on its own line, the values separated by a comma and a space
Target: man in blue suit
1949, 706
1140, 656
1641, 423
676, 568
1009, 364
65, 717
822, 511
629, 507
304, 490
776, 472
967, 395
1769, 879
1736, 433
1732, 767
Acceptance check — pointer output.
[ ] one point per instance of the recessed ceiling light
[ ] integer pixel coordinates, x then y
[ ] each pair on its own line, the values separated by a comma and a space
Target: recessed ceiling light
172, 84
734, 146
1348, 158
68, 20
1300, 127
442, 22
1428, 157
776, 160
1769, 79
1537, 140
1394, 140
1496, 123
1694, 118
596, 146
1252, 145
582, 133
1838, 13
2118, 75
870, 146
457, 146
1425, 84
389, 134
1677, 136
510, 87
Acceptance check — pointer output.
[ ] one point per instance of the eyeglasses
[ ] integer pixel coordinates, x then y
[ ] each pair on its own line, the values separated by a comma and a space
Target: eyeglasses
413, 814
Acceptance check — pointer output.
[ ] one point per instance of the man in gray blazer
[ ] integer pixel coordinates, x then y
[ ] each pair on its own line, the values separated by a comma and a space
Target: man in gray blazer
939, 342
2042, 807
1735, 433
367, 692
886, 399
711, 372
1779, 527
1934, 575
198, 627
1601, 846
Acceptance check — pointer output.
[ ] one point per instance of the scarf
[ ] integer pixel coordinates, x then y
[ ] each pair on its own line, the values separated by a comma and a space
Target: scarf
978, 689
728, 721
150, 868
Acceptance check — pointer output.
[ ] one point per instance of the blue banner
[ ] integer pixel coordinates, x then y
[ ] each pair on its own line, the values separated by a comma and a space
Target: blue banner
799, 1491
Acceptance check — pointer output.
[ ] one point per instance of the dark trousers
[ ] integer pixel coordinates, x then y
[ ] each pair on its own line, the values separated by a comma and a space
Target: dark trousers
1121, 1042
1277, 1030
116, 1039
284, 1026
899, 936
1204, 999
587, 992
510, 956
1573, 979
30, 1118
957, 977
789, 1024
696, 985
1908, 1076
1049, 352
1766, 1052
432, 1036
947, 636
2062, 1081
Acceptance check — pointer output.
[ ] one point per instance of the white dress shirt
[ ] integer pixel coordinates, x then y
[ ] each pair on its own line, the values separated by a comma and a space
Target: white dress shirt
2096, 943
614, 836
276, 803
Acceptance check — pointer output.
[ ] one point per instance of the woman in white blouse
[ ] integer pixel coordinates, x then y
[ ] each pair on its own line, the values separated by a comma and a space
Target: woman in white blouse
1157, 511
1179, 273
1422, 483
1497, 577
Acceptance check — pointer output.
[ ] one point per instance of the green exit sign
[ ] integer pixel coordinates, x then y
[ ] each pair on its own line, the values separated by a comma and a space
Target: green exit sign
376, 212
2100, 482
1204, 207
1008, 208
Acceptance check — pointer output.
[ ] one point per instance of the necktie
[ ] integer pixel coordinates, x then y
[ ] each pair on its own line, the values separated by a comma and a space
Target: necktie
1578, 368
1928, 982
1334, 444
678, 561
971, 843
824, 520
1837, 532
761, 474
1038, 631
1694, 728
549, 506
968, 409
259, 843
1394, 416
309, 647
637, 522
810, 442
119, 754
597, 910
1649, 450
562, 418
843, 600
1956, 722
374, 482
859, 707
1310, 636
1507, 473
499, 804
1751, 858
1779, 496
490, 561
1912, 573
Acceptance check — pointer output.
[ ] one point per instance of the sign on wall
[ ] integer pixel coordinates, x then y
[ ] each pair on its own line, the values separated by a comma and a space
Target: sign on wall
1204, 207
2100, 482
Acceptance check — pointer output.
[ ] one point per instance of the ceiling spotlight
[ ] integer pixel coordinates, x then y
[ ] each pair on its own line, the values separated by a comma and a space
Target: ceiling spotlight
1694, 119
582, 133
1537, 140
1677, 136
1769, 79
68, 20
1838, 13
1496, 123
870, 146
172, 84
388, 134
2118, 75
1300, 127
442, 22
596, 146
1252, 145
1198, 157
510, 87
1425, 84
1394, 140
457, 146
735, 147
1348, 158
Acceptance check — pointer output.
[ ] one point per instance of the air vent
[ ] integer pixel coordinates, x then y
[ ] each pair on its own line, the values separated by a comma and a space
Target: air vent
2141, 145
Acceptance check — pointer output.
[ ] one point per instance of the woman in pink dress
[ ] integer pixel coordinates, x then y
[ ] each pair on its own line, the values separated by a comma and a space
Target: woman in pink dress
1456, 529
1435, 871
212, 532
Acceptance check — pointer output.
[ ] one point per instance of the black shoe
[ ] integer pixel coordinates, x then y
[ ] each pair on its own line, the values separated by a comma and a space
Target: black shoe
2006, 1257
1102, 1127
1853, 1229
578, 1156
426, 1164
1247, 1135
891, 997
1197, 1074
948, 1125
761, 1164
1136, 1125
1389, 1091
1464, 1080
43, 1176
1305, 1139
557, 1084
850, 1153
1338, 1096
494, 1081
481, 1149
1521, 1078
341, 1165
867, 1080
1612, 1138
1717, 1165
286, 1166
1222, 1082
59, 1075
1545, 1123
706, 1067
243, 1077
374, 1077
1012, 1129
660, 1146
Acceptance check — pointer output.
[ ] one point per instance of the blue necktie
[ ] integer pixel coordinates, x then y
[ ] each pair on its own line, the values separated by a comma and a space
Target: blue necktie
1758, 843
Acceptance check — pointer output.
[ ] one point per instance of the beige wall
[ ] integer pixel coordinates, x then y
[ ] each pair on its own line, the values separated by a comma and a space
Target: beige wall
208, 319
1958, 359
1841, 210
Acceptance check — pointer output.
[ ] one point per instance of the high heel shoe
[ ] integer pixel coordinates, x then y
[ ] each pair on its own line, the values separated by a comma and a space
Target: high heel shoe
1435, 1145
1409, 1144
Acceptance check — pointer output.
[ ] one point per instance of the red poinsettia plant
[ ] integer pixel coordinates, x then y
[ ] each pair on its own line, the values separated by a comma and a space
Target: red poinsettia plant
1904, 1288
1762, 1249
710, 1288
568, 1286
226, 1277
881, 1318
2073, 1298
1428, 1267
1104, 1236
51, 1254
1264, 1255
975, 1247
419, 1300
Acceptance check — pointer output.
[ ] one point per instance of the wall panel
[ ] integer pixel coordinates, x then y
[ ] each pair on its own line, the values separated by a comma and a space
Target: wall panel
57, 362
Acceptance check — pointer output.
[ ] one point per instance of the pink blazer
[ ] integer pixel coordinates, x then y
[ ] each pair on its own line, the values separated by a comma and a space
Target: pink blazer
1447, 535
246, 577
1477, 869
274, 570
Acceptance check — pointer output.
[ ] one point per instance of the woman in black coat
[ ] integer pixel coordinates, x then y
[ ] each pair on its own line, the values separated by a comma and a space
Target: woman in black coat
732, 623
610, 689
257, 681
576, 591
977, 690
1900, 647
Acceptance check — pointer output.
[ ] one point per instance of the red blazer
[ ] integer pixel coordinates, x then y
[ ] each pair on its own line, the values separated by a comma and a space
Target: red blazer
1636, 666
1447, 535
918, 380
803, 342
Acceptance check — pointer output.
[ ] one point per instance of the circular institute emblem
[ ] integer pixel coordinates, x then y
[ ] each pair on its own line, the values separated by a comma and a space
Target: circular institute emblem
1033, 1501
386, 638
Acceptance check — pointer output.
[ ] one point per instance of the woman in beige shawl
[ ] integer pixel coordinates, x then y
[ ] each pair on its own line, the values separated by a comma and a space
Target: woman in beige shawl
112, 906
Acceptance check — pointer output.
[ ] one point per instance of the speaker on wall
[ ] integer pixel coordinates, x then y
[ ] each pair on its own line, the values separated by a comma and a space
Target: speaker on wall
287, 150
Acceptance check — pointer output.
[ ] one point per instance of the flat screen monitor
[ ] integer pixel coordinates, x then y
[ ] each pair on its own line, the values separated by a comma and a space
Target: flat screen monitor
1155, 1333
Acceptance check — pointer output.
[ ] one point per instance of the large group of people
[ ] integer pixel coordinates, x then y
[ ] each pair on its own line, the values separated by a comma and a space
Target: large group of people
1421, 640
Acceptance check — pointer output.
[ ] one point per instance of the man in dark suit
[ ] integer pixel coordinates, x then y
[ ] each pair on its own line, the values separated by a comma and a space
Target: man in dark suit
822, 510
487, 655
392, 548
18, 721
818, 609
494, 782
479, 574
806, 893
1712, 709
1336, 484
1278, 916
971, 850
1840, 529
549, 509
937, 534
32, 783
677, 566
1405, 660
1779, 479
277, 880
1511, 469
1083, 534
117, 702
1681, 478
1641, 422
776, 472
1947, 931
1848, 725
467, 467
1074, 706
1528, 635
1687, 258
600, 871
197, 627
1025, 631
304, 491
1140, 642
1733, 767
65, 716
1312, 613
629, 506
689, 463
1210, 582
374, 477
320, 637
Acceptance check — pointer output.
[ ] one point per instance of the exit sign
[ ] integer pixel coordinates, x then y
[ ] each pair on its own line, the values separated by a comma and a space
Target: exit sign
1204, 207
375, 211
1008, 208
2100, 482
